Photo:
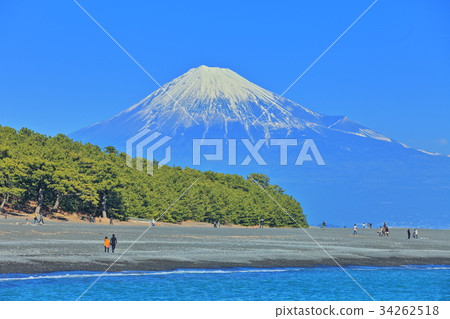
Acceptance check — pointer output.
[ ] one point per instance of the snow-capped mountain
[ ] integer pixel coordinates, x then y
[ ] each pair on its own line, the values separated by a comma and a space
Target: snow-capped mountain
368, 177
210, 97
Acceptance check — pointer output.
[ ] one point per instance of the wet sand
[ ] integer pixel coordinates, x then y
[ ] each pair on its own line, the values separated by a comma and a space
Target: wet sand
67, 246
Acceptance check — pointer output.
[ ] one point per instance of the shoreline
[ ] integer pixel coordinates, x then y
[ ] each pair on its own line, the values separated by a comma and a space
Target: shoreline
63, 246
250, 268
170, 266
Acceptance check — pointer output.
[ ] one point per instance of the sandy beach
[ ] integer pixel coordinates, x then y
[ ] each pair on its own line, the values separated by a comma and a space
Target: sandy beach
78, 246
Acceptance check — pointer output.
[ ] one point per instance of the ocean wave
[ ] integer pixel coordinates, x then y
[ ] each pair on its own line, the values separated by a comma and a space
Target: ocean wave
153, 273
74, 275
427, 267
403, 267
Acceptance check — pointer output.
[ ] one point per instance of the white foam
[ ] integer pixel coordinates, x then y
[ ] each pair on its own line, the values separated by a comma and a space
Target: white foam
217, 271
156, 273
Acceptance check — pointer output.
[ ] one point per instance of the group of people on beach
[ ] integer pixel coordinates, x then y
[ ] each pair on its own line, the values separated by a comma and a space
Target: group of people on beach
415, 233
364, 225
384, 230
92, 220
110, 242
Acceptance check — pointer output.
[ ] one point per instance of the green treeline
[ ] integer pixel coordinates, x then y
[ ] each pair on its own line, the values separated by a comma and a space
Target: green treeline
60, 174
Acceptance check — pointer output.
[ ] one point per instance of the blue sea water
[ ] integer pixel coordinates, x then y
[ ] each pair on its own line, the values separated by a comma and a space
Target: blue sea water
430, 282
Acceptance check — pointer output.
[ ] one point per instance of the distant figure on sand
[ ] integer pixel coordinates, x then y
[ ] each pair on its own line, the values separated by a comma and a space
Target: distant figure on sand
409, 233
381, 231
113, 242
36, 219
41, 219
106, 243
153, 222
215, 224
416, 233
324, 224
111, 221
355, 230
386, 231
261, 223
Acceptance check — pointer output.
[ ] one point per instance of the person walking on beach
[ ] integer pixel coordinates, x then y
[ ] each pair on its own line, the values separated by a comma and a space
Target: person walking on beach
416, 233
36, 220
106, 244
41, 219
409, 233
355, 230
113, 242
261, 223
111, 221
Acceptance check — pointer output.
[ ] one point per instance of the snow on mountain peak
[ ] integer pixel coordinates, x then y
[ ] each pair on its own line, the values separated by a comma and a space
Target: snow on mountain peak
209, 84
219, 97
212, 95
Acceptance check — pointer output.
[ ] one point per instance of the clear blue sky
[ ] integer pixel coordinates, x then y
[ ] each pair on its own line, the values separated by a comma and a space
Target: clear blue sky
391, 72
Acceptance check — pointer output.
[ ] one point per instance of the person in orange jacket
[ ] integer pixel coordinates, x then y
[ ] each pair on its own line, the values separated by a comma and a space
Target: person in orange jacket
106, 244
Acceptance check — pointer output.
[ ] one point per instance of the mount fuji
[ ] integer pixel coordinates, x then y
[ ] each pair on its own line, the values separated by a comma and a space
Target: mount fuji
367, 177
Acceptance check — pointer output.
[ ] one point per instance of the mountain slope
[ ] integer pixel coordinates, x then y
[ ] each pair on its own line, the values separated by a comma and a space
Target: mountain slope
208, 97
